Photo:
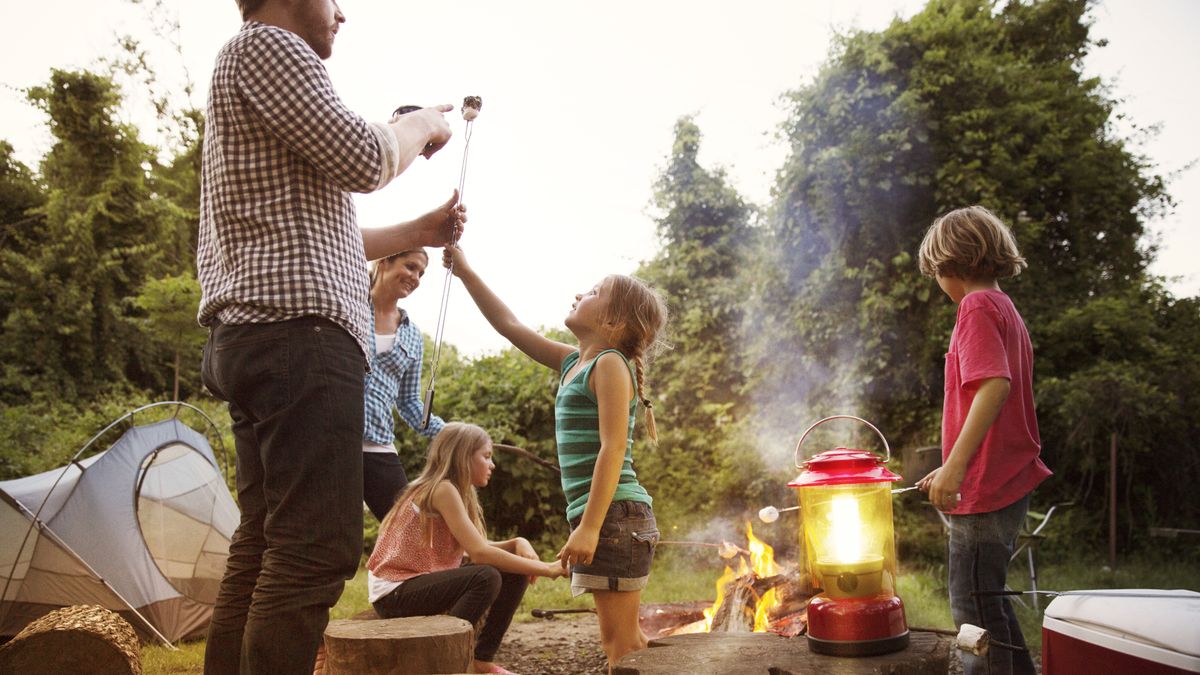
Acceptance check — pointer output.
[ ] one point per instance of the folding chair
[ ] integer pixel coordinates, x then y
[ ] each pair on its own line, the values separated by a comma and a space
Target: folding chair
1027, 542
1028, 539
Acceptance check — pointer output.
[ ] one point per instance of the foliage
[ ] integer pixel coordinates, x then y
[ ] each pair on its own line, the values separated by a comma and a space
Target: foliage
512, 397
170, 305
1125, 369
971, 102
809, 307
102, 231
698, 383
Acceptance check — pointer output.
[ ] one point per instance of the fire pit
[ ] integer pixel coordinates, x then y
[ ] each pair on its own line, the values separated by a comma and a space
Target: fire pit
760, 596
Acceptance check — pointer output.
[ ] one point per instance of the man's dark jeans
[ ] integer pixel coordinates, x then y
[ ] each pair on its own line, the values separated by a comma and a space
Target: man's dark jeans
980, 547
295, 393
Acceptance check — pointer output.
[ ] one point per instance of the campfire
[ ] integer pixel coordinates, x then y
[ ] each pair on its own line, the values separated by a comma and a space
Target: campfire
760, 596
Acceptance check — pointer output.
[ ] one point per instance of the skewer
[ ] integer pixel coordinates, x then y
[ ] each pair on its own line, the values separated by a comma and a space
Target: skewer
770, 514
522, 452
470, 110
726, 549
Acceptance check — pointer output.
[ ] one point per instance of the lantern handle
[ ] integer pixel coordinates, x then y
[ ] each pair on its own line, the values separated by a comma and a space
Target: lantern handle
888, 450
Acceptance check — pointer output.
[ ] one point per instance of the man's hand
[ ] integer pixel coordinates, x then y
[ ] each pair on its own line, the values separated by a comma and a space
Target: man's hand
444, 224
580, 547
426, 128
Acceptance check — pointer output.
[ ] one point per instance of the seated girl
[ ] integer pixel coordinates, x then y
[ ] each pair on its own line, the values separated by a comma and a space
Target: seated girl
417, 566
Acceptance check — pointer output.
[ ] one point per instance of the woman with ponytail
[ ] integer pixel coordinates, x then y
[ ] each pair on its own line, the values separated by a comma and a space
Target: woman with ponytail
601, 382
394, 381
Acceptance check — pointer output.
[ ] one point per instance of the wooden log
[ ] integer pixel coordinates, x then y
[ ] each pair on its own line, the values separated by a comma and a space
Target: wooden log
763, 653
76, 639
410, 645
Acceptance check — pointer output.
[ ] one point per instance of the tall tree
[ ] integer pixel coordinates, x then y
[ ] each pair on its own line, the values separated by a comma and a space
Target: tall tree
20, 225
170, 304
65, 331
965, 103
968, 102
705, 232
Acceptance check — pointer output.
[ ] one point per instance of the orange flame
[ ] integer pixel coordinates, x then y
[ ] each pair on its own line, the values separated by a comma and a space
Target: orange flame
762, 564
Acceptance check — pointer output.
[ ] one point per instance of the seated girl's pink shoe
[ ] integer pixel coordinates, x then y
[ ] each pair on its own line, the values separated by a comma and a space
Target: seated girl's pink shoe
499, 670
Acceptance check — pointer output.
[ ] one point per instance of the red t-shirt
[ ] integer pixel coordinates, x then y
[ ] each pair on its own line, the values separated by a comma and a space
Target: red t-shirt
990, 340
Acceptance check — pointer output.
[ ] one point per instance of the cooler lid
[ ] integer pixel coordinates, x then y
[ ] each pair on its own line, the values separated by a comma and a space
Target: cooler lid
1166, 619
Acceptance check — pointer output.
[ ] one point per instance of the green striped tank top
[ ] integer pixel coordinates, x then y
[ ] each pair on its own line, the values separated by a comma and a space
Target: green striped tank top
577, 432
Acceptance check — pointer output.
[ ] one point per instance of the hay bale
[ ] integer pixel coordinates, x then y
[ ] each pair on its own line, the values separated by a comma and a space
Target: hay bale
77, 639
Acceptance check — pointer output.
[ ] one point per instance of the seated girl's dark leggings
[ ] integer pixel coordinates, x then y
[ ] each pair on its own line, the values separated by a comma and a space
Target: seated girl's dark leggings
467, 592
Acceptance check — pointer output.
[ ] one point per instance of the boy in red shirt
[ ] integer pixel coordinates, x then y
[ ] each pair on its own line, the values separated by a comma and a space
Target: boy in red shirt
990, 441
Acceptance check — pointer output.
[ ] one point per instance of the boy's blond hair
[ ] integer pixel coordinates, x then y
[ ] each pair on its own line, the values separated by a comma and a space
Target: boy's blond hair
970, 243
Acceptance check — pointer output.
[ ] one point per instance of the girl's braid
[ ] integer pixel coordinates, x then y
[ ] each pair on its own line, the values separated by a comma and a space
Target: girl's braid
651, 429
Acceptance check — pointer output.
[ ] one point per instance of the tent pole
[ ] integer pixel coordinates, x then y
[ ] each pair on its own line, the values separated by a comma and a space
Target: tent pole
48, 533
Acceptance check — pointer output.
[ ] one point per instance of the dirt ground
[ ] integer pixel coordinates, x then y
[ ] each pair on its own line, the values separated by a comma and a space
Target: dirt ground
570, 645
559, 645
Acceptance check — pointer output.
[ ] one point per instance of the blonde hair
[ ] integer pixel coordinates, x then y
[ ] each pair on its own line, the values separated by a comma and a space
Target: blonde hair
449, 459
638, 315
970, 243
374, 265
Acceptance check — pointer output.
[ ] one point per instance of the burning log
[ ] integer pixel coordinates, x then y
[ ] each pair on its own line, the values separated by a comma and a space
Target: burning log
742, 596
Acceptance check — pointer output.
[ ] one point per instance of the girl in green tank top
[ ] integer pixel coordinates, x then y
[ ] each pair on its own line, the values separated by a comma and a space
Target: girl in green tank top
613, 533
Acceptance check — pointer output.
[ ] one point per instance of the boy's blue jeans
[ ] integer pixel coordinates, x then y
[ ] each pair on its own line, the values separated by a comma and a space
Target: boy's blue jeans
981, 545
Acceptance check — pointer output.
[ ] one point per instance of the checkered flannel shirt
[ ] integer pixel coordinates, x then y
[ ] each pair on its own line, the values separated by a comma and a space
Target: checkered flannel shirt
395, 380
278, 234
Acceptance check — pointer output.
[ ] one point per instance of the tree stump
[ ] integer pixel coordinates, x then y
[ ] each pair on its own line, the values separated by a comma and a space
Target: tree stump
77, 639
406, 646
763, 653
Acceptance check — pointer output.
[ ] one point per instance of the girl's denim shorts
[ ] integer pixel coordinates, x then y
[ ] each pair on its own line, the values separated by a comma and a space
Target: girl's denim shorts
623, 554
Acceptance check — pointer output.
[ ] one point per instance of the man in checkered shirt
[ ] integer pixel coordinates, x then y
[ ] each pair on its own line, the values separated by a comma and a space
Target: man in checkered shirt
285, 292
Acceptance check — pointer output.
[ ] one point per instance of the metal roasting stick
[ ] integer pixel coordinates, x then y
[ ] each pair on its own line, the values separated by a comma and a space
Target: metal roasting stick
727, 550
470, 103
1100, 594
547, 613
769, 514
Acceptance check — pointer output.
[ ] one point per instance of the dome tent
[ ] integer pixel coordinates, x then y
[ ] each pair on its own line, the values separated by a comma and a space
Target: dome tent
142, 529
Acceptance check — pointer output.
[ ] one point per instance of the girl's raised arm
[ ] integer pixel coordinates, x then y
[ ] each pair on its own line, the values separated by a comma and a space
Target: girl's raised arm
450, 507
549, 353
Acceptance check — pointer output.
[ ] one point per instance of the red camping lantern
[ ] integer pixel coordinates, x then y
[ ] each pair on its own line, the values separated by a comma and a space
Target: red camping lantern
849, 546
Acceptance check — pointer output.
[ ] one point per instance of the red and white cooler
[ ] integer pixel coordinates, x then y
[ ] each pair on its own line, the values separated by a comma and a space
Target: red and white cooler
1141, 631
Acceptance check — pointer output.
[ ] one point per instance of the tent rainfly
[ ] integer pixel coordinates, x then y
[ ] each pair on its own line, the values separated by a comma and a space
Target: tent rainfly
142, 529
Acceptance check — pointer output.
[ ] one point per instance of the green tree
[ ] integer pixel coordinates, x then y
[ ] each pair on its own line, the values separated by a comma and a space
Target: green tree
1129, 367
170, 305
20, 229
967, 102
697, 384
512, 397
102, 237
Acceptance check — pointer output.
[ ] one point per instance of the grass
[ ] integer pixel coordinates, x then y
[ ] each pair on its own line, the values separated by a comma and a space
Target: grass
687, 576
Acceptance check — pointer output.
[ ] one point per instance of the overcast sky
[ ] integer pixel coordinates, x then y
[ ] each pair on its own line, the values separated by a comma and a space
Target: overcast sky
579, 105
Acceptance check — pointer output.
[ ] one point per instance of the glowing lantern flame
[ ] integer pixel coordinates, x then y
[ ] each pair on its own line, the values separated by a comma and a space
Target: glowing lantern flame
846, 529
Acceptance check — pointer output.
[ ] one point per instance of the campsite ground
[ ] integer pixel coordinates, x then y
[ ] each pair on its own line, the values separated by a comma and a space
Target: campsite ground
569, 644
